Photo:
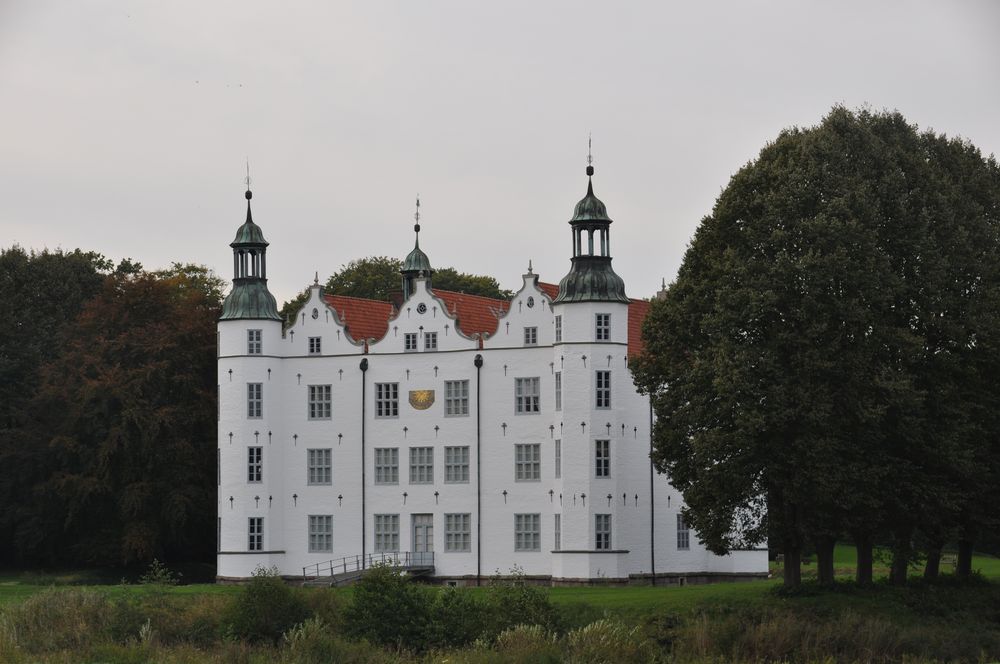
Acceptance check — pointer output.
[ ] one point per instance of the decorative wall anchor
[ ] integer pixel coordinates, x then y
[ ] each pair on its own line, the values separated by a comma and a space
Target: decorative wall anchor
609, 500
635, 432
405, 429
435, 371
256, 500
230, 502
404, 497
230, 375
623, 429
269, 373
292, 333
505, 496
560, 499
436, 429
270, 499
256, 437
583, 497
295, 499
637, 500
503, 425
551, 492
341, 372
338, 335
552, 430
560, 428
407, 374
583, 426
446, 326
395, 330
562, 361
434, 311
340, 499
436, 494
508, 327
408, 312
574, 500
340, 439
299, 378
505, 370
552, 367
295, 439
608, 425
268, 437
668, 502
230, 437
624, 497
584, 360
626, 361
520, 306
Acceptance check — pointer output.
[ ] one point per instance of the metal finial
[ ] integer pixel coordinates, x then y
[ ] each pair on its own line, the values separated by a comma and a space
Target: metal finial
590, 156
248, 174
416, 216
316, 279
530, 271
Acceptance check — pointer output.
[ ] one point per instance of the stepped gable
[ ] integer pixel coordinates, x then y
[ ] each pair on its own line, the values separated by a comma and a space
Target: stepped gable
637, 312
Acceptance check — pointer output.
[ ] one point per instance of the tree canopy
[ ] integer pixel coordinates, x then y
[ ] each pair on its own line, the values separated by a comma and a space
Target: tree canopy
821, 365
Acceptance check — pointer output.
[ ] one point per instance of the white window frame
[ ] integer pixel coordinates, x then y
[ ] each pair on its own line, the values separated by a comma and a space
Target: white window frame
255, 464
528, 532
531, 336
255, 344
386, 465
430, 341
602, 389
527, 462
255, 401
255, 533
410, 342
319, 402
602, 457
558, 383
386, 528
386, 400
683, 534
602, 327
458, 532
456, 464
558, 458
320, 533
527, 396
558, 335
456, 398
602, 532
557, 532
315, 345
319, 466
422, 465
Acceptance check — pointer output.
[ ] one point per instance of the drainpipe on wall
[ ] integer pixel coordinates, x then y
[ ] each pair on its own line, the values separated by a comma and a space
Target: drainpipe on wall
652, 503
479, 487
364, 374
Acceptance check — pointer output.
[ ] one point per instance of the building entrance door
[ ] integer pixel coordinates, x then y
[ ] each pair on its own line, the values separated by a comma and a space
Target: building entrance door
423, 539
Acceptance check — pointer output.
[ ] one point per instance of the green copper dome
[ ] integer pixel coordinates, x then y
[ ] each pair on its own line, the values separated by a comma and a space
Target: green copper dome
590, 207
249, 232
249, 297
417, 261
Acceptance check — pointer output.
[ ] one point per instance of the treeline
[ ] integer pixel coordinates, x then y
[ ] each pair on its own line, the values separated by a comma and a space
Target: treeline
826, 364
107, 410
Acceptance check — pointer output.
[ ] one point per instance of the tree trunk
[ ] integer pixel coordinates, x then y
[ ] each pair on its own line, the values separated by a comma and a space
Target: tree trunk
793, 565
963, 567
900, 562
863, 543
824, 559
933, 566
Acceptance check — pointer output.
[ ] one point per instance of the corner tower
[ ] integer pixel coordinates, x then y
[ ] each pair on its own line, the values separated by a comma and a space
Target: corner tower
249, 298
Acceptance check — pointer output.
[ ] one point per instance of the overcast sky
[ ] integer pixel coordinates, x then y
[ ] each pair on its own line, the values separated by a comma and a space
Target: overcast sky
125, 126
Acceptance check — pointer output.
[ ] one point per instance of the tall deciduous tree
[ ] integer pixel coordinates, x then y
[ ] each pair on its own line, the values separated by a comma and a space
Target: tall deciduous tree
811, 353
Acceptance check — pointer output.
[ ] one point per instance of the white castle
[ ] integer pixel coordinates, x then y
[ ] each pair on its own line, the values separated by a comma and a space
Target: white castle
456, 435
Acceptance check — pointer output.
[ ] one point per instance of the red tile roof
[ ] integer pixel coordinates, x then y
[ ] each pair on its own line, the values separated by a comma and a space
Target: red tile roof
637, 311
549, 289
476, 314
364, 319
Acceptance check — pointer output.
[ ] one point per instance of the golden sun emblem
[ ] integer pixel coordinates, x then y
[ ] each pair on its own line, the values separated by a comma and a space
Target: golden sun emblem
421, 399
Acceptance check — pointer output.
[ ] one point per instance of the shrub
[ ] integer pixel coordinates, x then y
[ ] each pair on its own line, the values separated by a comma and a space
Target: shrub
265, 609
513, 601
458, 618
58, 619
608, 641
528, 643
388, 609
159, 574
313, 642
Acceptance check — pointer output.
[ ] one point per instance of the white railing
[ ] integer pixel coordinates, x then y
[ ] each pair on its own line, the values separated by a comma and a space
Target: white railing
403, 559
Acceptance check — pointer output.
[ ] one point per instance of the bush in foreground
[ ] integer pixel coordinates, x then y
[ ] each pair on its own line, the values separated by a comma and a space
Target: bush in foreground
265, 609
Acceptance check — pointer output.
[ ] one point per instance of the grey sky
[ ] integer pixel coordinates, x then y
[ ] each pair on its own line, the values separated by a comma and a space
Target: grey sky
124, 126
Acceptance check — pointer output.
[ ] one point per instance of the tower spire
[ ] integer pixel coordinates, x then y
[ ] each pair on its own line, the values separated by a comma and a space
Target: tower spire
590, 155
416, 220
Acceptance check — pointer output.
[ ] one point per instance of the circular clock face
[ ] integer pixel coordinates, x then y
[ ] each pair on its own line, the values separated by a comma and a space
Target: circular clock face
421, 308
531, 301
315, 312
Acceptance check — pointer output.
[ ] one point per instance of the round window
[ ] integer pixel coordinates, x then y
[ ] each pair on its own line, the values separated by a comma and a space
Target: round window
531, 302
315, 312
421, 308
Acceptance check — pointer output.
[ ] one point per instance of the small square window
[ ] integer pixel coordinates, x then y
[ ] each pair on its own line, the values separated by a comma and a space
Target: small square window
456, 464
386, 533
527, 532
255, 533
531, 336
410, 342
527, 462
458, 532
421, 465
602, 532
430, 340
386, 465
315, 345
386, 399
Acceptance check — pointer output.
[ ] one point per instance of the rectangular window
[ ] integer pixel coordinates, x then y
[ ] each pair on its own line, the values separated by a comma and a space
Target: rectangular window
386, 465
558, 390
557, 530
430, 340
558, 329
255, 533
603, 390
683, 534
456, 397
315, 345
527, 462
531, 336
386, 399
255, 400
456, 464
386, 533
458, 532
602, 458
319, 402
255, 464
254, 342
602, 330
527, 532
526, 395
320, 533
558, 458
410, 342
602, 532
421, 465
319, 466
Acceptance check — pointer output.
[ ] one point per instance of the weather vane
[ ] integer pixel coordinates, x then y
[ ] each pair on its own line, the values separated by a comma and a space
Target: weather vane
590, 157
416, 215
248, 174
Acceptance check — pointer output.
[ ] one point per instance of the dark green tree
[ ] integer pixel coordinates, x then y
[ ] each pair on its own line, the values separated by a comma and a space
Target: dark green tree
800, 361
